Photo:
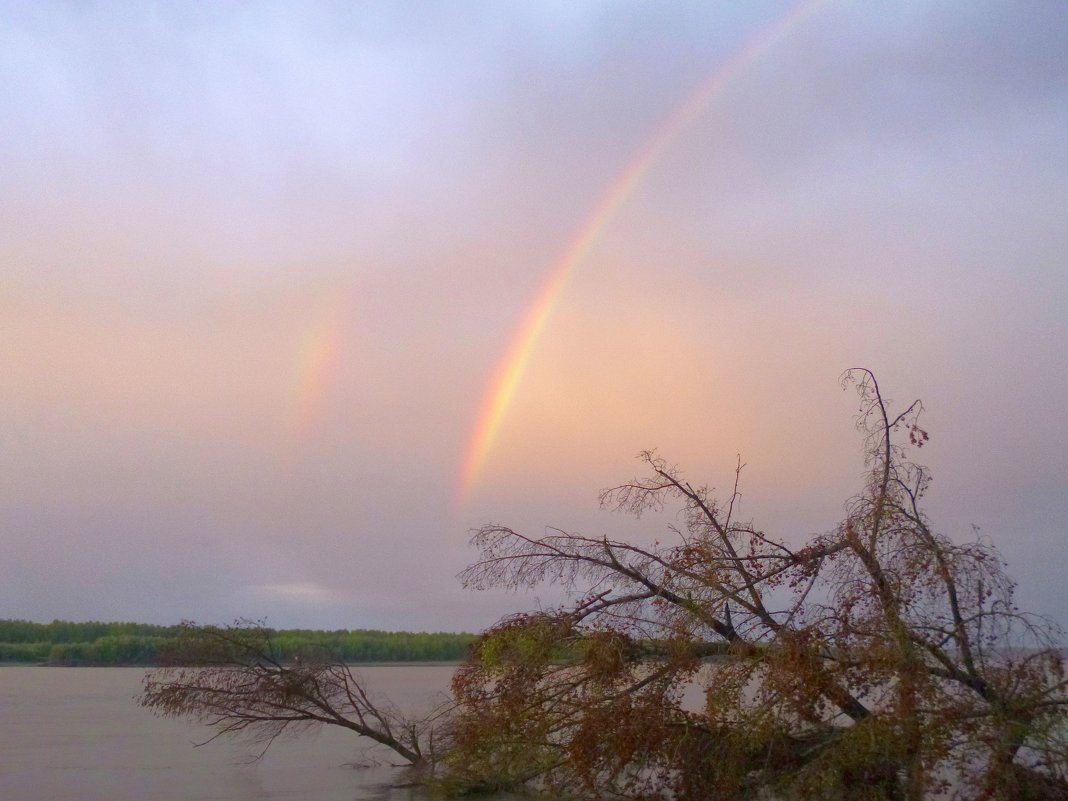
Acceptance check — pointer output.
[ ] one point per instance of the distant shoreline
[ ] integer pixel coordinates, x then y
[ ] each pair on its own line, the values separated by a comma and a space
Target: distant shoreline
93, 644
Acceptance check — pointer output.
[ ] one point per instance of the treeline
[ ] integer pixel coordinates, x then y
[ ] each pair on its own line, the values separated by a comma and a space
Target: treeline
64, 643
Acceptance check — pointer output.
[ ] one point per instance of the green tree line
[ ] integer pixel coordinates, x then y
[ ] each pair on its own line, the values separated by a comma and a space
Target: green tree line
93, 643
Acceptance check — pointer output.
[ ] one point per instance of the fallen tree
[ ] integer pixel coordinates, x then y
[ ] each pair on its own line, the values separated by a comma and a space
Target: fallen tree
232, 679
881, 660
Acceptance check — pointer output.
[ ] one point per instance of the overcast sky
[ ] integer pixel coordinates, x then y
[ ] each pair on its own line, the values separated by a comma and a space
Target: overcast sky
260, 264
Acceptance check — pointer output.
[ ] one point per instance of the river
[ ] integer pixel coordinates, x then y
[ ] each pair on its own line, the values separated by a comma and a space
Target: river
78, 734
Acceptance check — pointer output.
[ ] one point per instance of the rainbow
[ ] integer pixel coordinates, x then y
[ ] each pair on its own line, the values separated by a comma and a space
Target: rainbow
318, 359
506, 377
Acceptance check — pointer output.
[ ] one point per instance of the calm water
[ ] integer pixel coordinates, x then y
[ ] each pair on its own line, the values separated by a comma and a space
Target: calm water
77, 734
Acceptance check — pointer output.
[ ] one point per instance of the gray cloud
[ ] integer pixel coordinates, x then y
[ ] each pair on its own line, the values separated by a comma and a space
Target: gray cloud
187, 189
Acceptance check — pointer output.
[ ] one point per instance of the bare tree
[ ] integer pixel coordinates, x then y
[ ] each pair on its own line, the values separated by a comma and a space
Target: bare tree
880, 660
231, 679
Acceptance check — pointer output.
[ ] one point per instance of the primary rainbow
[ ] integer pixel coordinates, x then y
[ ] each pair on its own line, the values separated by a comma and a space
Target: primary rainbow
505, 380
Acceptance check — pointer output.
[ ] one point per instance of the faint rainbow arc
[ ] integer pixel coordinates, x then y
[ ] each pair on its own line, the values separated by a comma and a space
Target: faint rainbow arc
509, 372
318, 360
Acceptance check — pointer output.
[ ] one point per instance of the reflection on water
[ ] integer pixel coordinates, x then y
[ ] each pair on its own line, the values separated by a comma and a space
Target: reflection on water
78, 733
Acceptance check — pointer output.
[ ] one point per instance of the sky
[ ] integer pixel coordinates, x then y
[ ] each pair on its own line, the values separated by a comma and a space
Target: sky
293, 296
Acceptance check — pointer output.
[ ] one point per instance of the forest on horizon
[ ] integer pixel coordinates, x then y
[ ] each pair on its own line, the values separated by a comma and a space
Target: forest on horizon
65, 643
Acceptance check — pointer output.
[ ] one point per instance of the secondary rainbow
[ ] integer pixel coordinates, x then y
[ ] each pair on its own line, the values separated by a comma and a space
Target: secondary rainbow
505, 381
317, 363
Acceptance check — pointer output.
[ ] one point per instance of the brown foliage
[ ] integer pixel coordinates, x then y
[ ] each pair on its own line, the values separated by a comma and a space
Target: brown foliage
881, 660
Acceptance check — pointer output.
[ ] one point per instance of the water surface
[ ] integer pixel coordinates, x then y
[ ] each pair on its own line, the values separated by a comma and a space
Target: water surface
78, 734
